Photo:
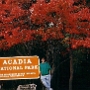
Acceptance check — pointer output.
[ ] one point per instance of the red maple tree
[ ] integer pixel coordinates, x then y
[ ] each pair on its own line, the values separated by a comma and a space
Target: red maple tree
22, 21
14, 23
55, 19
63, 20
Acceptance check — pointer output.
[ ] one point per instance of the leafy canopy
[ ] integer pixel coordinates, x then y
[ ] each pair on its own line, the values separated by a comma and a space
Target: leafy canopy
24, 20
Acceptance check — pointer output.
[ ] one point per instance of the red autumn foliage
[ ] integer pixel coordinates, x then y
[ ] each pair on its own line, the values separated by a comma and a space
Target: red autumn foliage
57, 19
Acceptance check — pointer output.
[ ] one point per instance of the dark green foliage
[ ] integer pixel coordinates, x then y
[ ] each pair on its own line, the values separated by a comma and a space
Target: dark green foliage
81, 69
58, 56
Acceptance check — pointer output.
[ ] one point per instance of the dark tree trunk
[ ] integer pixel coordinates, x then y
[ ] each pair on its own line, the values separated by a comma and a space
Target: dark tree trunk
71, 71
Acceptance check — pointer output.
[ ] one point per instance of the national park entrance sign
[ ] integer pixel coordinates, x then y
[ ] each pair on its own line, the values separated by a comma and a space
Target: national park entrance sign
19, 67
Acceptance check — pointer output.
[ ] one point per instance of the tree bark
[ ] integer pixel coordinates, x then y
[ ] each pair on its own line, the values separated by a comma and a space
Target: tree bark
71, 71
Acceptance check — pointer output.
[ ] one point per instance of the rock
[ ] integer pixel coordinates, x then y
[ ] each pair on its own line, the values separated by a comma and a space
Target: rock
27, 87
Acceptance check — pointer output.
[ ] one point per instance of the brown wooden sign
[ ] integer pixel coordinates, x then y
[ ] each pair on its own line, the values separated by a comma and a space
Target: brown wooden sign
19, 67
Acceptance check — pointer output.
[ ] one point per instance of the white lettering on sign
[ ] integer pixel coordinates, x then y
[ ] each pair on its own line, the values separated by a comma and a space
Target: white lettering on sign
11, 68
19, 61
31, 67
